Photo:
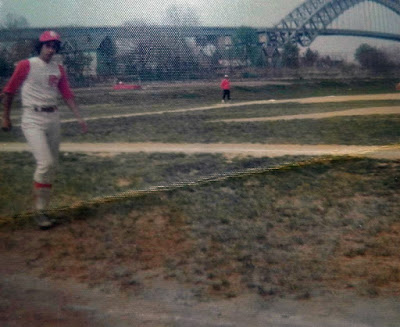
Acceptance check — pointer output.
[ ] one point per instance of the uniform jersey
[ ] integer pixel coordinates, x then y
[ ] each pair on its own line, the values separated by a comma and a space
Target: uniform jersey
41, 82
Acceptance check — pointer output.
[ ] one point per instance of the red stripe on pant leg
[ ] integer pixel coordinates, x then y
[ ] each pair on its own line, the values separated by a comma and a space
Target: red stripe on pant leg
41, 185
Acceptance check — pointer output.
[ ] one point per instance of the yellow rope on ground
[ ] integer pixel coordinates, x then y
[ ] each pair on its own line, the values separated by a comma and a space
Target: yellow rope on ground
164, 188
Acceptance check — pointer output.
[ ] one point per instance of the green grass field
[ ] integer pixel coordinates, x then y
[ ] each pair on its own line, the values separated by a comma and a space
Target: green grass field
332, 223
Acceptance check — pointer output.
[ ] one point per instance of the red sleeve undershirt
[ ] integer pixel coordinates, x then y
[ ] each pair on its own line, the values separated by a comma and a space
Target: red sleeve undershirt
63, 85
18, 77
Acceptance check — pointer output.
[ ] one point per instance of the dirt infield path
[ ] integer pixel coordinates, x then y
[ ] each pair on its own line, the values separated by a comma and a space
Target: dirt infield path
321, 115
229, 149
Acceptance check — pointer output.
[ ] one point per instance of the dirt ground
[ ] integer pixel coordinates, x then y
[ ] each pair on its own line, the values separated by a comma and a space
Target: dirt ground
30, 300
41, 302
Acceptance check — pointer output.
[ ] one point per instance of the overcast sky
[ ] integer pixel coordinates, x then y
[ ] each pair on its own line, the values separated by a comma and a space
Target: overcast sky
254, 13
115, 12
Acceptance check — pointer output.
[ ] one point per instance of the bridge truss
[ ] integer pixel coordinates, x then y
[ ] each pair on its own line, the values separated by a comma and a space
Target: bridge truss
311, 19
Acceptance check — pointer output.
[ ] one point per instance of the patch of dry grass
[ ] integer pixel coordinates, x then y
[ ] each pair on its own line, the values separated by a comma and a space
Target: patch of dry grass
297, 232
370, 263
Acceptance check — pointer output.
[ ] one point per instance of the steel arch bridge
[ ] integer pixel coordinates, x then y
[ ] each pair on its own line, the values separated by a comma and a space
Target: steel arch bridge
311, 19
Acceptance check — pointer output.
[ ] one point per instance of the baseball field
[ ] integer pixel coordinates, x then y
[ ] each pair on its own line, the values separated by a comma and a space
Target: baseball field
198, 213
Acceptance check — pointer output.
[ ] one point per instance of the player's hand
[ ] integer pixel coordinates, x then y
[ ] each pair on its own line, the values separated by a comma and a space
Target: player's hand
84, 127
398, 87
6, 125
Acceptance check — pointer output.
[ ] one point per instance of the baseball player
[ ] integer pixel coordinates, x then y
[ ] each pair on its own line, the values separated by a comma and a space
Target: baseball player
226, 89
42, 80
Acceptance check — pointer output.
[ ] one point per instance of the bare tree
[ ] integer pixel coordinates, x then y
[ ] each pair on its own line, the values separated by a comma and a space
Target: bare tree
164, 56
246, 46
6, 67
310, 57
373, 59
182, 16
18, 50
290, 55
13, 21
77, 63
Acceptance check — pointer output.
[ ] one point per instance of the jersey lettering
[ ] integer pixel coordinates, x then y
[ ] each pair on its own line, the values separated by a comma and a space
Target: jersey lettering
53, 80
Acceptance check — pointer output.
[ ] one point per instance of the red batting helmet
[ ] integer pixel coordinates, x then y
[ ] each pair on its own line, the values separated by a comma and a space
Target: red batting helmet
48, 36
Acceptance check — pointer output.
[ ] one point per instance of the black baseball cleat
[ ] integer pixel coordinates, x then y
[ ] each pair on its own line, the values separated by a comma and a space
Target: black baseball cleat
43, 221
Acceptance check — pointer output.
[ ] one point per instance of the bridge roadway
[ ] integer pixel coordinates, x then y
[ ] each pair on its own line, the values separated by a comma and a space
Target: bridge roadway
187, 31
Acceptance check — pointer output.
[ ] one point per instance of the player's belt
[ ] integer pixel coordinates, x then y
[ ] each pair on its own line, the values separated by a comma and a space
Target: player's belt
45, 109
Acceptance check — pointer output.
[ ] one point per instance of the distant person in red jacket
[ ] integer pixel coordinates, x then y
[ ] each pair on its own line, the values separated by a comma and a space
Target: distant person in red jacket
226, 89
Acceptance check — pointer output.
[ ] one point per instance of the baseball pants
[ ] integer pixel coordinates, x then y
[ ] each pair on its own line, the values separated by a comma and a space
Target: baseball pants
226, 94
42, 132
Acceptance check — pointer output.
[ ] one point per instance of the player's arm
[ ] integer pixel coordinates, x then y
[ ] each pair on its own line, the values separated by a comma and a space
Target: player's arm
70, 102
69, 99
9, 91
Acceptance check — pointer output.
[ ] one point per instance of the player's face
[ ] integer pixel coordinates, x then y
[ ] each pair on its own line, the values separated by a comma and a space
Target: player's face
48, 50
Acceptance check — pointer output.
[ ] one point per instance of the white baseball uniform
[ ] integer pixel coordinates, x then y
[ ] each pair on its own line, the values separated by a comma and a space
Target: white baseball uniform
42, 83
